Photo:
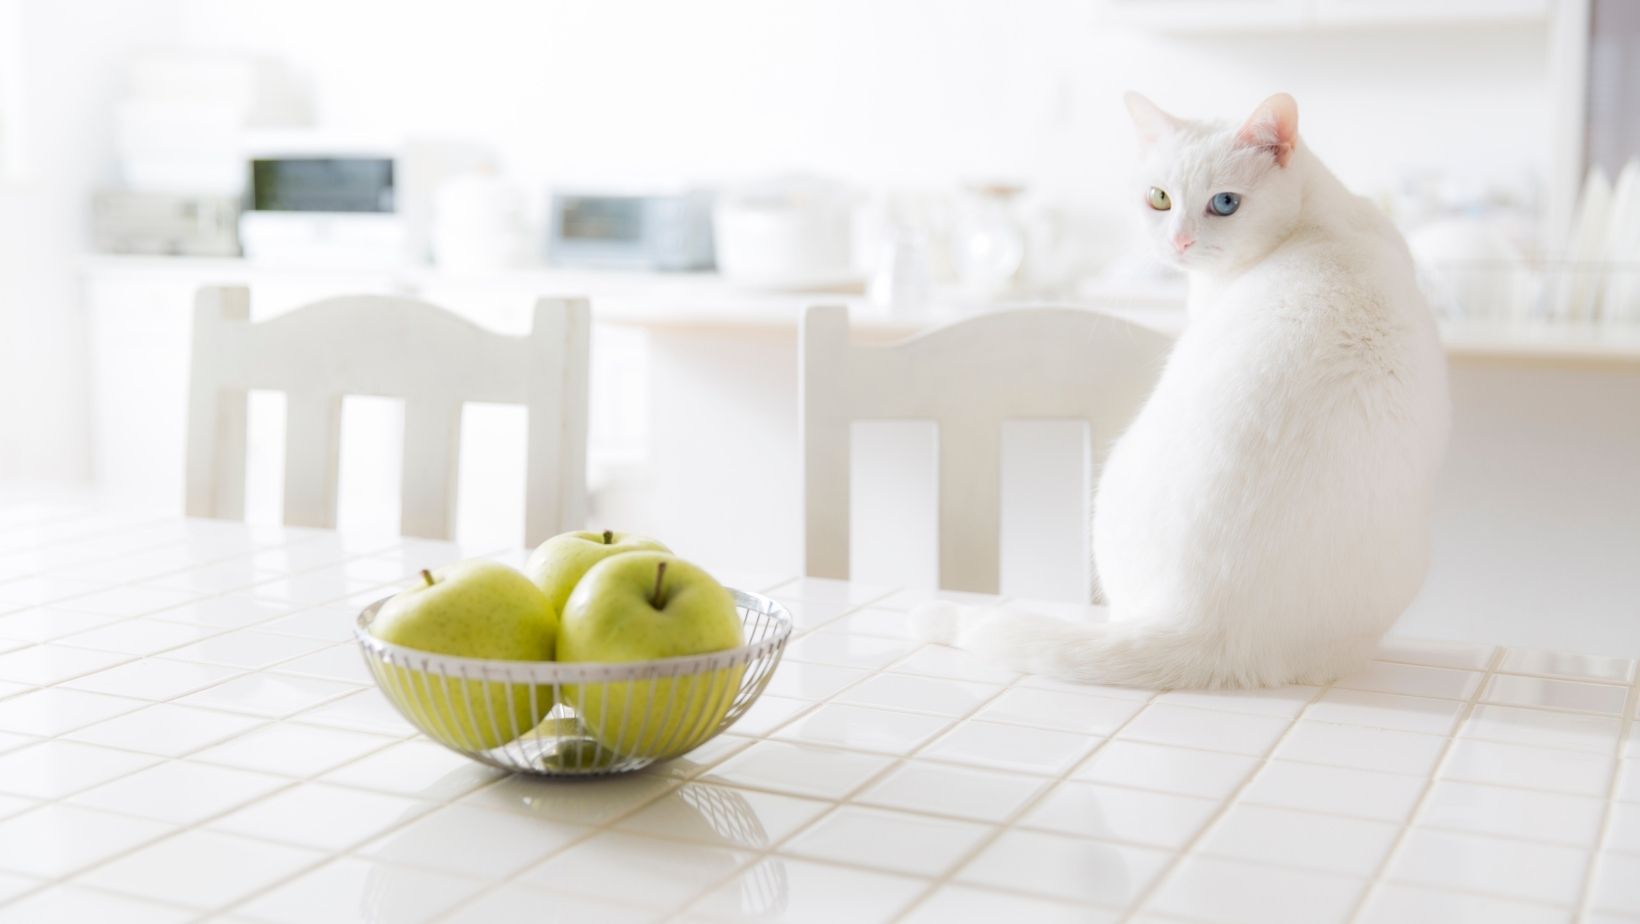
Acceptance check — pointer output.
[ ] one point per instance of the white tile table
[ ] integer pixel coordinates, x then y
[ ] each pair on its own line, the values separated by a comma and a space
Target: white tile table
186, 733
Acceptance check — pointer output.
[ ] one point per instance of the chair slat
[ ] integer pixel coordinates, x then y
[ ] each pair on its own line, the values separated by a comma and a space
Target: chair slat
968, 377
432, 448
827, 441
313, 437
389, 347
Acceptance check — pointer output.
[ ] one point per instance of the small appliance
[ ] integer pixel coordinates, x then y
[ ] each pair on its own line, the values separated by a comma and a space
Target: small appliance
322, 205
786, 232
165, 224
668, 230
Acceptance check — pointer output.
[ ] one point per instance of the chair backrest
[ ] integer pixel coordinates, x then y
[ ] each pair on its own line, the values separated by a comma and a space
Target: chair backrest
969, 377
390, 347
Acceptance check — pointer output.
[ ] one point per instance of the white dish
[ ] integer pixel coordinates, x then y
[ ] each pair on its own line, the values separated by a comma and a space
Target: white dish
845, 282
1620, 300
1577, 291
1467, 268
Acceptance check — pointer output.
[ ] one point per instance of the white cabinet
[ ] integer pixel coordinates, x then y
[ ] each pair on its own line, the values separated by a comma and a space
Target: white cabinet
1207, 15
1423, 12
1255, 16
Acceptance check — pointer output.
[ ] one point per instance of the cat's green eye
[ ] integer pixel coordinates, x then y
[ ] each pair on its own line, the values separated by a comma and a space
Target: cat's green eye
1158, 199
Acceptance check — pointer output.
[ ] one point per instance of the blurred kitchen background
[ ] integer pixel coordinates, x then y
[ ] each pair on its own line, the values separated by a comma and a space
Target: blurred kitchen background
703, 171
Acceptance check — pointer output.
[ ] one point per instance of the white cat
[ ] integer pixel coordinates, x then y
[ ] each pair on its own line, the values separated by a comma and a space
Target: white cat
1266, 517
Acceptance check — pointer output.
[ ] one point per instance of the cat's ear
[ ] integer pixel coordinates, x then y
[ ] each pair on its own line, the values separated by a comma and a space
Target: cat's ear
1273, 125
1151, 122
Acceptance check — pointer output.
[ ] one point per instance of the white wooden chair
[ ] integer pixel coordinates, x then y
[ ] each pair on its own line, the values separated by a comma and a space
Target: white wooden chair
391, 347
968, 377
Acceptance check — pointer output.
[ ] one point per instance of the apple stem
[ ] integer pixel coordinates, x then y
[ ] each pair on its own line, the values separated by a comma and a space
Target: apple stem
659, 600
609, 536
427, 576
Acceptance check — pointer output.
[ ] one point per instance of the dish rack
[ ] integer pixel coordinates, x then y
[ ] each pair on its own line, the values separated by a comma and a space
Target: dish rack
560, 719
1554, 291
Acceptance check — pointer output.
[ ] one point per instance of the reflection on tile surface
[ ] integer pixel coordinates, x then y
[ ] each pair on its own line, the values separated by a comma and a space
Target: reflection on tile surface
1568, 665
959, 904
206, 746
472, 841
1346, 791
1518, 869
1397, 903
361, 890
960, 792
1572, 695
200, 869
1099, 872
723, 815
899, 842
1234, 892
1120, 814
789, 889
639, 870
1172, 769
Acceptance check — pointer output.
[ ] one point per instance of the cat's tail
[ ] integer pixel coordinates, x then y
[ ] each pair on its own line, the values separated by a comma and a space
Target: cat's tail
1141, 653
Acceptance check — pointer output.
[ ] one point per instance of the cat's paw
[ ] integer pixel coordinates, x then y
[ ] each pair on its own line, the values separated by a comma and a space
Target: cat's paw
937, 621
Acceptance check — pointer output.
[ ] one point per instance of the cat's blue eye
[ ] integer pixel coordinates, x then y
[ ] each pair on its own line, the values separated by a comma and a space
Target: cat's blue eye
1224, 204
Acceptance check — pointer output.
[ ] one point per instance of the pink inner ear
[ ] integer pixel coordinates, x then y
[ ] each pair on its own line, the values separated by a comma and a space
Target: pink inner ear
1273, 125
1149, 121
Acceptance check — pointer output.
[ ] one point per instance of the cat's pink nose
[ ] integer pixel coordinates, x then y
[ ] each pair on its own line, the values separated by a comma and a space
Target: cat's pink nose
1182, 242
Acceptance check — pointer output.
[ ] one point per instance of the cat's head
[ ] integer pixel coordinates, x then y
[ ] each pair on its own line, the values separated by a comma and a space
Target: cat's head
1214, 195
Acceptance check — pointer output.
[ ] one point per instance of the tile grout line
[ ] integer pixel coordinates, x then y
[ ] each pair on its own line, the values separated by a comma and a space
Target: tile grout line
338, 601
834, 804
1377, 877
1010, 822
351, 851
54, 542
328, 644
144, 703
145, 579
1015, 684
1625, 731
1189, 748
768, 851
266, 721
157, 654
288, 783
156, 614
757, 854
1151, 846
200, 824
191, 755
141, 581
1178, 856
177, 700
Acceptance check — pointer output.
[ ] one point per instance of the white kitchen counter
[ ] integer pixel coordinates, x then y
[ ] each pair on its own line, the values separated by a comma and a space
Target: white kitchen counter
188, 733
1539, 483
708, 301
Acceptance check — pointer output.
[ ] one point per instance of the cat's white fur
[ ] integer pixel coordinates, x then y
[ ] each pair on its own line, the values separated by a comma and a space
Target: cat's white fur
1265, 518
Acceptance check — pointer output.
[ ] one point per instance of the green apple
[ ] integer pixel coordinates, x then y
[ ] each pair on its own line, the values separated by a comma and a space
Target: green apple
473, 609
557, 565
644, 606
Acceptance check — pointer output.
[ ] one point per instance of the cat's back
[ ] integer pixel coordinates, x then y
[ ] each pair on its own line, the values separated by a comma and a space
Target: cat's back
1349, 264
1337, 302
1329, 345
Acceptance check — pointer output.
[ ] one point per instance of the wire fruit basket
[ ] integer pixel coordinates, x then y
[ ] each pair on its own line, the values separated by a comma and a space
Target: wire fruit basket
552, 718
